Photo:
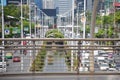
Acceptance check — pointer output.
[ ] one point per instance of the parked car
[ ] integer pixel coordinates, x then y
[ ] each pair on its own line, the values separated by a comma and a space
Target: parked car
104, 66
3, 67
112, 69
5, 60
118, 67
16, 59
50, 59
9, 55
83, 69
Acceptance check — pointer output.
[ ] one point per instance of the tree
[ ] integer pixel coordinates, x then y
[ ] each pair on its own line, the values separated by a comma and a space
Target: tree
54, 33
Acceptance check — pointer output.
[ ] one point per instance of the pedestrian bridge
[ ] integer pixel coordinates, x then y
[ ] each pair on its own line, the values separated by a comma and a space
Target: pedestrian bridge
49, 56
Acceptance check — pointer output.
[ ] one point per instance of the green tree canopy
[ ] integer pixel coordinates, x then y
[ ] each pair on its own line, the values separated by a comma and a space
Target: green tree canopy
55, 33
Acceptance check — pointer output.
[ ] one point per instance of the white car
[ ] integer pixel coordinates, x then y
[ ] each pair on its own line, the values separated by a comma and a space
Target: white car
104, 66
3, 67
112, 69
82, 69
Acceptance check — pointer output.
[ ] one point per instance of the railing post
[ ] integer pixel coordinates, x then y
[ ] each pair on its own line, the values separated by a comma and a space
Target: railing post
33, 54
91, 58
21, 52
79, 56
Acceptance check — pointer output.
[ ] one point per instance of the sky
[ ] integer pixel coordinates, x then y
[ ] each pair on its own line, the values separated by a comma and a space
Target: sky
4, 2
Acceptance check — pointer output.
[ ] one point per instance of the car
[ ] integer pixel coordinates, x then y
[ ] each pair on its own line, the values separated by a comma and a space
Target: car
83, 69
16, 59
104, 66
5, 60
3, 67
118, 66
9, 55
112, 69
50, 59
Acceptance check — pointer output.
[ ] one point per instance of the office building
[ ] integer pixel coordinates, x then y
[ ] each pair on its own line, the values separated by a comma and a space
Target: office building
38, 3
48, 4
63, 6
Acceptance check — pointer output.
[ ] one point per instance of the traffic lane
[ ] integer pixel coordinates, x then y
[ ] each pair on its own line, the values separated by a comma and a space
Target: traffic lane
27, 61
62, 77
58, 65
16, 66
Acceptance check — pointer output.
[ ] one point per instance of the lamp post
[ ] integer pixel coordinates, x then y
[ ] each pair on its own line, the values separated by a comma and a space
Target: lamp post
2, 31
30, 17
2, 20
21, 36
78, 15
21, 20
72, 34
84, 22
35, 19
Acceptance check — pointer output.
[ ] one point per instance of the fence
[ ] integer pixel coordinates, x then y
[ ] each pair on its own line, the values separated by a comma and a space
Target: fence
51, 55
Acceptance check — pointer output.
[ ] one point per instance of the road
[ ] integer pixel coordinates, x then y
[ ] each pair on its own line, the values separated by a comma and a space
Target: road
64, 77
16, 66
58, 65
26, 61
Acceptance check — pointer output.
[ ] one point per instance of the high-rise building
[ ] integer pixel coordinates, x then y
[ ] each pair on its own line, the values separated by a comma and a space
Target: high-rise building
89, 5
48, 4
38, 3
63, 6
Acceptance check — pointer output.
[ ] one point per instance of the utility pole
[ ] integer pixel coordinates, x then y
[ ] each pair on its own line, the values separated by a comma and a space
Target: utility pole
92, 29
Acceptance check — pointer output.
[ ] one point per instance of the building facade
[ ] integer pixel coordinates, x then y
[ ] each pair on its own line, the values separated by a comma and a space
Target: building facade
38, 3
48, 4
63, 6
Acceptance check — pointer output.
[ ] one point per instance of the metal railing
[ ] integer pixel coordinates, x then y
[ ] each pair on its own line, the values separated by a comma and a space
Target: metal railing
51, 55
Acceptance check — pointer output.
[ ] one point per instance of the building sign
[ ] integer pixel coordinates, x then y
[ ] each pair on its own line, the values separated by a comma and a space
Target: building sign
116, 4
16, 2
26, 29
7, 32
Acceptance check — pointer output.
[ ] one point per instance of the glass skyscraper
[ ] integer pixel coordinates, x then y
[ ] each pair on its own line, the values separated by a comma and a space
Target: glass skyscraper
63, 6
48, 4
38, 3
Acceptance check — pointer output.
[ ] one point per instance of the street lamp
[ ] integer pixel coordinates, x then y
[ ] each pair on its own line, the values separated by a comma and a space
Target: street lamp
2, 31
21, 20
72, 34
84, 19
35, 19
30, 17
21, 35
78, 15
